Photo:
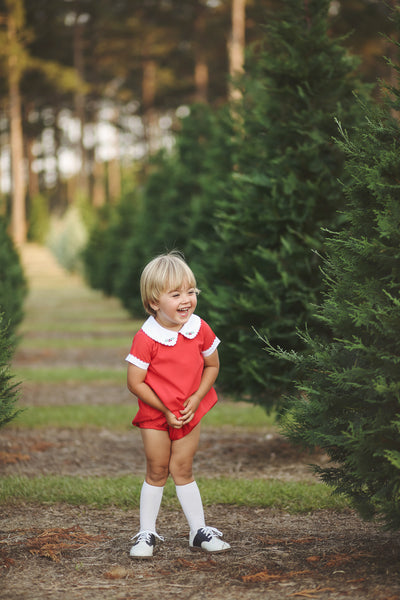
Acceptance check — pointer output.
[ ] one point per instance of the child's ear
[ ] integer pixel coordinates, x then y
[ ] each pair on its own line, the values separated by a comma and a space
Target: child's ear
154, 305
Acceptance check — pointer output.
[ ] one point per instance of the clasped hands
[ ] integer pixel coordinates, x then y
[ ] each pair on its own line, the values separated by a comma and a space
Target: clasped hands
190, 407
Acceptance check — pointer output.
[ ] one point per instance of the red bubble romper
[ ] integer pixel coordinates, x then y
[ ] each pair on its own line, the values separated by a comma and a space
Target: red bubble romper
174, 362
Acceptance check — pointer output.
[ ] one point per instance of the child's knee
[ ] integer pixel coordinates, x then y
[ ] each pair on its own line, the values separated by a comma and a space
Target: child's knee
157, 474
181, 472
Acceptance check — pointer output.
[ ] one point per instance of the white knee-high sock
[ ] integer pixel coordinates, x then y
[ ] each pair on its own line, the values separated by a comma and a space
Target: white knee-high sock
192, 505
150, 502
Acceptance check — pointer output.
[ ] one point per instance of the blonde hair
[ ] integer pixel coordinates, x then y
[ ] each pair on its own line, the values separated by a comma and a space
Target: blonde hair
164, 273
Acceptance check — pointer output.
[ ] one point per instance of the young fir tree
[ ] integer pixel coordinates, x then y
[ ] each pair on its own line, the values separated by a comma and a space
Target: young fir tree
13, 287
8, 389
113, 226
285, 189
349, 402
13, 291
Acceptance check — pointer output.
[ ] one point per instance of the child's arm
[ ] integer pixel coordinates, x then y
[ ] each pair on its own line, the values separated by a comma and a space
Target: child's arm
137, 385
210, 374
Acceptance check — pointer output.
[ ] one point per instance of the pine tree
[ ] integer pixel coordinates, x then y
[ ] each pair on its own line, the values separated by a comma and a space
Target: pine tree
8, 389
13, 287
285, 189
349, 401
102, 256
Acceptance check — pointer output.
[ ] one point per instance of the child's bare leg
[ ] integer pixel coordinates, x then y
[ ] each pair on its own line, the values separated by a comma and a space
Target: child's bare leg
180, 466
182, 455
157, 448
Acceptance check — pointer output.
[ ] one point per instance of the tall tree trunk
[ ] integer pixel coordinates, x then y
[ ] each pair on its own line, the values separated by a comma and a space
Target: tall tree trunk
61, 200
18, 209
237, 44
201, 75
148, 100
99, 187
83, 181
393, 54
33, 178
114, 180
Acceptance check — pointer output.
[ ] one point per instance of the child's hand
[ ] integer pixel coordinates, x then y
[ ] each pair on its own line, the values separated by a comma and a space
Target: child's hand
191, 405
173, 421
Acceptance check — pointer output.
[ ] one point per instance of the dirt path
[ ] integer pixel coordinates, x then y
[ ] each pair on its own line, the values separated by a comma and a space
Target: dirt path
64, 552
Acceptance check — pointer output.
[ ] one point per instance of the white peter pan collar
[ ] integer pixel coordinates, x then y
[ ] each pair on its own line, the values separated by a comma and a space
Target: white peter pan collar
164, 336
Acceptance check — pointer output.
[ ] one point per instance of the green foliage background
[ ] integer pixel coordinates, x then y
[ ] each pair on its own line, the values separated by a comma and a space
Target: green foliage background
244, 195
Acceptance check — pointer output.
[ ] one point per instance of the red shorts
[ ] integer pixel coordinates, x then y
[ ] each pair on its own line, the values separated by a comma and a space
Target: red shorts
148, 417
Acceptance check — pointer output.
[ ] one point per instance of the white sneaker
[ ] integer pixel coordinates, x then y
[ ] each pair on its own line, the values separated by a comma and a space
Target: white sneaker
207, 540
144, 545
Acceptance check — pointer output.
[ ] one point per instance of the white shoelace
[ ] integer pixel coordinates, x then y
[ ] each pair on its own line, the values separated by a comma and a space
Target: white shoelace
212, 531
145, 536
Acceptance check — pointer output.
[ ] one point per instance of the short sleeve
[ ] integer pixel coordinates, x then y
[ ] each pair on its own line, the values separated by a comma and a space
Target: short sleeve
210, 341
141, 351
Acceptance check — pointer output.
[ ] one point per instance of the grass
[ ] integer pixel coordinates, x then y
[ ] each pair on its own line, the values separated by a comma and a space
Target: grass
93, 341
70, 375
238, 414
117, 417
80, 326
124, 492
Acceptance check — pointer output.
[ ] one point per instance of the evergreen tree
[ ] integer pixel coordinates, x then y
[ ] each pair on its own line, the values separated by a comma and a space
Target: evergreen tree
8, 389
12, 294
102, 256
13, 287
349, 402
285, 189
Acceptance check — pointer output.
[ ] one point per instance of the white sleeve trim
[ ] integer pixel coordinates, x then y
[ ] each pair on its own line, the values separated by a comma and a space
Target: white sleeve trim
134, 360
212, 348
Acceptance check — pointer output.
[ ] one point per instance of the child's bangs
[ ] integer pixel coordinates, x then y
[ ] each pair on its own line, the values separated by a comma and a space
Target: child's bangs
177, 275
